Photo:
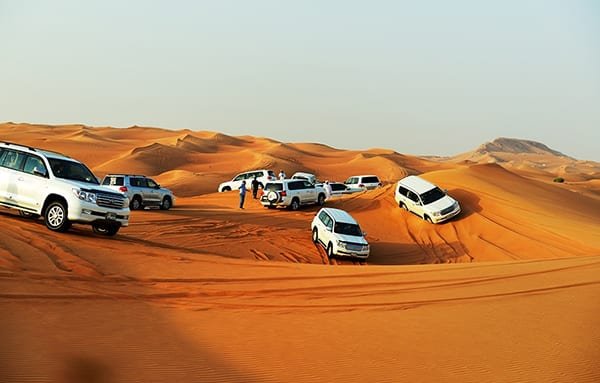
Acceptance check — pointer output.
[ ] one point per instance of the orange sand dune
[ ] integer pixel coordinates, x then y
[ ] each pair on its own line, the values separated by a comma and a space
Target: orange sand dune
207, 292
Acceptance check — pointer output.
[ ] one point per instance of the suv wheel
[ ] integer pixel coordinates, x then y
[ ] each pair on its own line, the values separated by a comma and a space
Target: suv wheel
105, 229
55, 217
295, 205
136, 203
330, 250
403, 206
321, 199
427, 219
226, 189
166, 203
315, 235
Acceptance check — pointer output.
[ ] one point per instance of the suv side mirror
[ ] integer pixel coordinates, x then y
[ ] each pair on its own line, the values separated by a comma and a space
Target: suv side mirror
40, 173
364, 233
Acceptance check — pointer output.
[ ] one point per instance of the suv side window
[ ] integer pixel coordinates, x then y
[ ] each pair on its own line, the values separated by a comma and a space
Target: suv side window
34, 165
113, 181
413, 196
2, 154
151, 183
240, 177
322, 217
13, 159
402, 190
308, 185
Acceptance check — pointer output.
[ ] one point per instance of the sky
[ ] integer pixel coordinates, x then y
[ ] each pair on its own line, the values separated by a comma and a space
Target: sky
420, 77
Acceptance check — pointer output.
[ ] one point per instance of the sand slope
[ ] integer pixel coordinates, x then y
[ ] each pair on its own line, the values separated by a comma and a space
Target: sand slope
208, 292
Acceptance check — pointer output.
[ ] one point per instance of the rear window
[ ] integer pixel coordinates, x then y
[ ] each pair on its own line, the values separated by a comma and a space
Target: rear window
13, 159
113, 181
274, 187
338, 187
370, 180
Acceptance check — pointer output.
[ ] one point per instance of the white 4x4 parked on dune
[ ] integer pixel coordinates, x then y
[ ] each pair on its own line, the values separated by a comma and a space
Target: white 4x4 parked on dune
263, 176
292, 194
367, 182
141, 191
59, 188
339, 234
426, 200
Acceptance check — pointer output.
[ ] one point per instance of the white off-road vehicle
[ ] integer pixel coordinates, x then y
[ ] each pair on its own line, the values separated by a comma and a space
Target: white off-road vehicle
142, 191
62, 190
339, 234
426, 200
366, 182
263, 176
292, 194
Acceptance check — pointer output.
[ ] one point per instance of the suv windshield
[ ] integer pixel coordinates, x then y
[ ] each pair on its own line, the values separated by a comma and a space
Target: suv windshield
432, 195
347, 229
273, 187
70, 170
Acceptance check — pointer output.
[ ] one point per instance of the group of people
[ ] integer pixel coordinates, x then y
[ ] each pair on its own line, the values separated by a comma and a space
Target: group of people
255, 184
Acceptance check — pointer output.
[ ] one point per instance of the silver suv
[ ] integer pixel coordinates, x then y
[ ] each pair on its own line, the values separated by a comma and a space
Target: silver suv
59, 188
292, 194
141, 190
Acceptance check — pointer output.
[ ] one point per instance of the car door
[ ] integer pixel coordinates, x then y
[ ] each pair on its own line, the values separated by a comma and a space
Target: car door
309, 192
11, 164
414, 203
135, 187
325, 224
32, 183
152, 192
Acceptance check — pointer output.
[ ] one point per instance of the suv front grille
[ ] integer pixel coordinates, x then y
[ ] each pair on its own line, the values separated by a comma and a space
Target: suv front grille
114, 201
448, 210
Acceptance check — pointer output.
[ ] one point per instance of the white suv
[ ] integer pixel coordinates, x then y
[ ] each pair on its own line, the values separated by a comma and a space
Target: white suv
292, 194
263, 176
426, 200
141, 191
59, 188
339, 234
367, 182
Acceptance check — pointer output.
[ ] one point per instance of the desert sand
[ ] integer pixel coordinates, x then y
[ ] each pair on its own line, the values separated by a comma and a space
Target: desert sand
509, 291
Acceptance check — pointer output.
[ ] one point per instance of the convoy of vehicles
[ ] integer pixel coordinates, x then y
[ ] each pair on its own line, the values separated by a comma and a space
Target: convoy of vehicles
62, 190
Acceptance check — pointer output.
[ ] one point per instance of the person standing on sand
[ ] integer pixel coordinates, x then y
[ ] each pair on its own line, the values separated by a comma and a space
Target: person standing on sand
282, 175
242, 194
255, 185
328, 190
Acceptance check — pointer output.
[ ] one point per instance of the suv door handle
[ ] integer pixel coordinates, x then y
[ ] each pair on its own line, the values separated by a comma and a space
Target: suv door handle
21, 179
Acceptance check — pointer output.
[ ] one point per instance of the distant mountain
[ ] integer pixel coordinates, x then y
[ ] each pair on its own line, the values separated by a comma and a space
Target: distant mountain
530, 157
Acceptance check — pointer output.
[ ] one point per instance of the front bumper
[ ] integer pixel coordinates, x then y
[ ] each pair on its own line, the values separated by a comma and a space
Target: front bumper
446, 217
85, 212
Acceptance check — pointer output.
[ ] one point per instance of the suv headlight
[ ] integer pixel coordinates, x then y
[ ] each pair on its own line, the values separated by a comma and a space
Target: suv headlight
341, 244
437, 213
85, 196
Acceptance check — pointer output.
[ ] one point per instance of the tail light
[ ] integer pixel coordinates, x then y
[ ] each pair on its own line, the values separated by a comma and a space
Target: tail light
269, 178
123, 189
283, 193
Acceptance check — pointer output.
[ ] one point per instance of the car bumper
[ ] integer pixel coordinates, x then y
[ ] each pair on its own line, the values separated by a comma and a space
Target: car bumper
354, 254
447, 216
85, 212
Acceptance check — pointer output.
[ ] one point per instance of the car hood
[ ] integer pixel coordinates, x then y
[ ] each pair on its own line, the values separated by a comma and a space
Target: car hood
88, 186
351, 238
441, 203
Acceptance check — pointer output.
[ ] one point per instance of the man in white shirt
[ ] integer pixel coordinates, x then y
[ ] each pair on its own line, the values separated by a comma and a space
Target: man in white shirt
282, 175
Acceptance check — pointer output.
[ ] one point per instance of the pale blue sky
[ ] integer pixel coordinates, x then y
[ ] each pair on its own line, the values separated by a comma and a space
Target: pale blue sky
420, 77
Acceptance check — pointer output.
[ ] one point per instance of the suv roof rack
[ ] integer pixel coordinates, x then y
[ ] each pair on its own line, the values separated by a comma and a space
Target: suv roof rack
21, 145
125, 175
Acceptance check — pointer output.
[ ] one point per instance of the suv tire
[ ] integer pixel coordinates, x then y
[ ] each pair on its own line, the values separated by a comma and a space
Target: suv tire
56, 218
295, 205
27, 214
330, 251
321, 199
427, 219
105, 229
226, 189
315, 235
165, 204
136, 203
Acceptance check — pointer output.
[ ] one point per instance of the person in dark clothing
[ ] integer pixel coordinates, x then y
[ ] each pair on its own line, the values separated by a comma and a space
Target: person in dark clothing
255, 185
242, 194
